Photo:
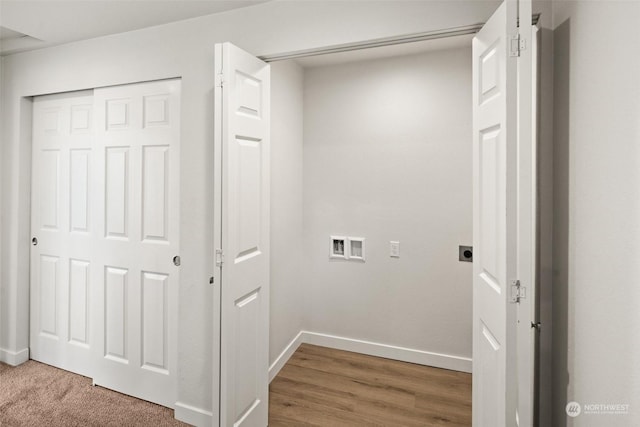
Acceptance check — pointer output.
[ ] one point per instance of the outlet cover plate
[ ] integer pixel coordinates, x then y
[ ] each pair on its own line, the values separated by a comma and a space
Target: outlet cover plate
394, 249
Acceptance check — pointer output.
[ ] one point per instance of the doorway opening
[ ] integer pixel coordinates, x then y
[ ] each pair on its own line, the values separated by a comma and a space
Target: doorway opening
381, 166
338, 296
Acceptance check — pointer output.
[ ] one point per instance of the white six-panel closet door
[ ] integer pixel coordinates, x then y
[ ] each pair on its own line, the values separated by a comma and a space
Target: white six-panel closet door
137, 171
106, 211
63, 229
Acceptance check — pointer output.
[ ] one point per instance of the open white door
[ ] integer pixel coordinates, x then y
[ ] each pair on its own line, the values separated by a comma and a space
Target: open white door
242, 140
495, 174
504, 218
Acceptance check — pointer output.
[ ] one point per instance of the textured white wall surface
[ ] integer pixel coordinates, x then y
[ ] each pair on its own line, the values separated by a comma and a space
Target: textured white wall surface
287, 287
596, 337
387, 156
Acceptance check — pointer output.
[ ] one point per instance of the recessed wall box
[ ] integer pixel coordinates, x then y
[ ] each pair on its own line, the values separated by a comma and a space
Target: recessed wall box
338, 247
465, 253
356, 248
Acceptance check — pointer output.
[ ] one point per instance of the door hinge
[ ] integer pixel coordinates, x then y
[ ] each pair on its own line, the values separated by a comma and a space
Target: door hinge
219, 257
516, 44
518, 291
219, 80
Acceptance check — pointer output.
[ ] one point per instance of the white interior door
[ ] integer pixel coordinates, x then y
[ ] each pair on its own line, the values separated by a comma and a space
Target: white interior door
105, 213
137, 177
242, 98
63, 228
494, 220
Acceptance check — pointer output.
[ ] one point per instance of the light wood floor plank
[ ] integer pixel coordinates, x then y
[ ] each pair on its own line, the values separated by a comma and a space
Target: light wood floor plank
325, 387
356, 388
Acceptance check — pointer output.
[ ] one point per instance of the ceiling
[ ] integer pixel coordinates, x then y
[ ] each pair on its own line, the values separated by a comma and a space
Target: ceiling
34, 24
401, 49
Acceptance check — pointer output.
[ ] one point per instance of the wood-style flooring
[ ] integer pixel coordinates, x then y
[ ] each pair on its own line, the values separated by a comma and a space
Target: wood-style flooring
325, 387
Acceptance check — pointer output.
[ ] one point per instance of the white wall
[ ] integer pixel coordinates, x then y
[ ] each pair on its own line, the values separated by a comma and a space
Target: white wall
4, 321
287, 287
597, 209
387, 156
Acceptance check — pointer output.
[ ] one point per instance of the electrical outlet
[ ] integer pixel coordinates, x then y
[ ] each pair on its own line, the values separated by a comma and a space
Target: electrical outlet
394, 249
465, 253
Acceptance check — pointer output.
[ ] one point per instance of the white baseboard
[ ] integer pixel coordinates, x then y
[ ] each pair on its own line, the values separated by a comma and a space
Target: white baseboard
404, 354
14, 358
282, 359
192, 415
427, 358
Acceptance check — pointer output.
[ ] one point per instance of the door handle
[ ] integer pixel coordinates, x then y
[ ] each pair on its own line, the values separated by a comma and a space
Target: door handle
34, 241
176, 260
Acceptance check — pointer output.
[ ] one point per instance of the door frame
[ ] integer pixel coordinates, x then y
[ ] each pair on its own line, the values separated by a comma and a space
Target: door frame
217, 237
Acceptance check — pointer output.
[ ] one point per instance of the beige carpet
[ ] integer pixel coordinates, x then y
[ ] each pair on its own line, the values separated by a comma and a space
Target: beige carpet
35, 394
